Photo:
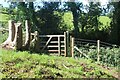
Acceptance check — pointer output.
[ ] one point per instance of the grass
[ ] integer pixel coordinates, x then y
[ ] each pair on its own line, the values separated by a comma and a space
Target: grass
16, 64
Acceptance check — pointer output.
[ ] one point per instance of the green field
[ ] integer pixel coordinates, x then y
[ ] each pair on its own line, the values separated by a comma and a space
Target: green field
105, 22
68, 19
4, 17
26, 65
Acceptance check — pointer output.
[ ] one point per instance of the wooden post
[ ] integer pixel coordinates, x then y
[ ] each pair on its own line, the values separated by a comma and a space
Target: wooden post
28, 35
37, 41
59, 46
65, 43
66, 39
18, 36
11, 33
98, 50
72, 46
11, 30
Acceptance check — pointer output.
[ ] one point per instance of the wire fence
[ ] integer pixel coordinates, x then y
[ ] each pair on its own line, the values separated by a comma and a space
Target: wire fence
106, 53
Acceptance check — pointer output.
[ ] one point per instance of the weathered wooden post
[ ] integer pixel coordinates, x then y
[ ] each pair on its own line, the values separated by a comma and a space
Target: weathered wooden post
37, 43
66, 39
72, 46
18, 36
98, 50
59, 46
11, 33
28, 35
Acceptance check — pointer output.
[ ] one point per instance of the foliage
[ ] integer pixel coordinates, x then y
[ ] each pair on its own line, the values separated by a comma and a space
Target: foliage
89, 21
105, 21
49, 18
115, 29
3, 36
108, 56
67, 21
26, 65
4, 17
4, 24
75, 8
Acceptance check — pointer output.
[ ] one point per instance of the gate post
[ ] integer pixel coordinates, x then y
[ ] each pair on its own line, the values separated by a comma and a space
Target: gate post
66, 34
36, 44
59, 46
72, 46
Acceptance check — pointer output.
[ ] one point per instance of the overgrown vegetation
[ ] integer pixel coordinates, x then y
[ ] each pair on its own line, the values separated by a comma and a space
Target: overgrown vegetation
26, 65
108, 56
3, 36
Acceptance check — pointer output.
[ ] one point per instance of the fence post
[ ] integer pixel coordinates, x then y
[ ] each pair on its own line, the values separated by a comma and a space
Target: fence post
98, 50
18, 36
66, 39
72, 46
36, 44
59, 46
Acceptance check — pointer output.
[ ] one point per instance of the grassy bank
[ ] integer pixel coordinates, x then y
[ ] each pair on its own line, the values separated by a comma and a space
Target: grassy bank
26, 65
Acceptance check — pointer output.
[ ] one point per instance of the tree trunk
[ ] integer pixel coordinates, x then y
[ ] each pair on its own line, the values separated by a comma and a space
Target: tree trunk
75, 18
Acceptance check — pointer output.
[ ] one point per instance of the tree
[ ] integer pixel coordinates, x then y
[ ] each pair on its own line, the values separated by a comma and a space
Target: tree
94, 11
115, 30
89, 21
75, 9
48, 18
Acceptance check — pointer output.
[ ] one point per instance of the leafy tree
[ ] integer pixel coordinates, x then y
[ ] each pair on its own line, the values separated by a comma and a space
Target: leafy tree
89, 22
94, 11
75, 9
48, 19
115, 30
22, 11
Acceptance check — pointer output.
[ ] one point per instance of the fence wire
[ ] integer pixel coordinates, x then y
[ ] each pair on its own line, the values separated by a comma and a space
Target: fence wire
109, 53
